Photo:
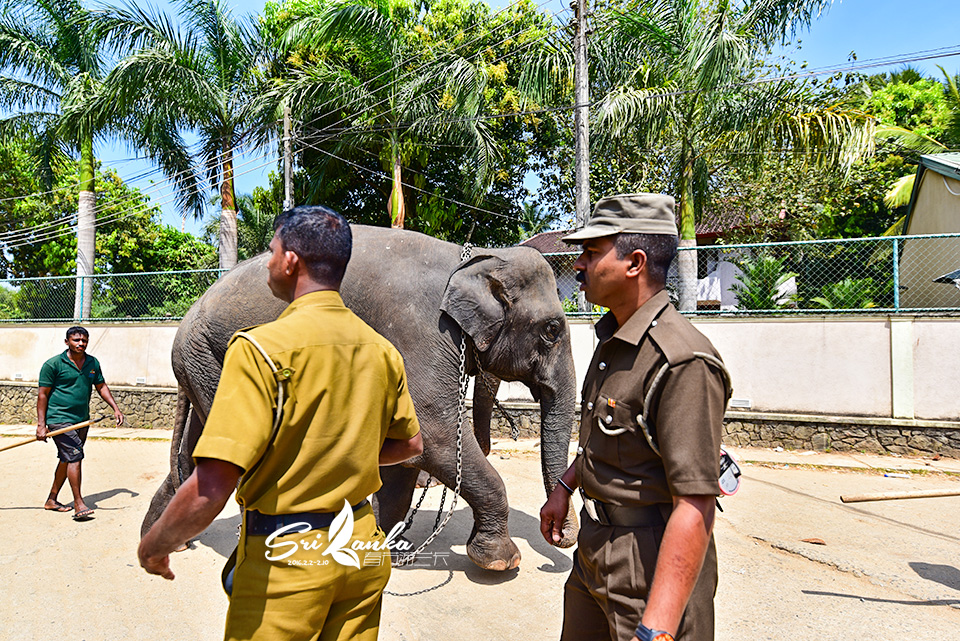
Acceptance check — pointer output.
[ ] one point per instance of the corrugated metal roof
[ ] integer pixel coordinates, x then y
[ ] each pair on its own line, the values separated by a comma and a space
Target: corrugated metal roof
947, 164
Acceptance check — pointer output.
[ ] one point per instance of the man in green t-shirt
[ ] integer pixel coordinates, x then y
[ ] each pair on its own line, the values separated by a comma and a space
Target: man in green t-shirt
63, 399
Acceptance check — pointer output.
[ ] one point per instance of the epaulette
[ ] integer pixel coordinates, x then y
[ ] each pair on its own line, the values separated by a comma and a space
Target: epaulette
240, 331
677, 348
674, 344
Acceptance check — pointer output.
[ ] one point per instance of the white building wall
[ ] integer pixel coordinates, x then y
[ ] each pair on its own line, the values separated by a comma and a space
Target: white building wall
811, 365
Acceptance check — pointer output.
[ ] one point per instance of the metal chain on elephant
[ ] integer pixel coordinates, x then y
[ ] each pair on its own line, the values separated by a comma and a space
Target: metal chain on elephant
407, 559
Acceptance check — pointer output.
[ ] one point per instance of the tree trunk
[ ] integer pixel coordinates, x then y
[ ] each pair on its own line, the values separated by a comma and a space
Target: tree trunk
86, 232
687, 258
396, 207
228, 215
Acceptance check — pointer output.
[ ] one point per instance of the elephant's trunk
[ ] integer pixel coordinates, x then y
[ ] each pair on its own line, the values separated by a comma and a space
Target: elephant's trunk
557, 403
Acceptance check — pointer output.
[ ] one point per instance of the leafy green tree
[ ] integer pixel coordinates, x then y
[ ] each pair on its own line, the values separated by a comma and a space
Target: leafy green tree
438, 92
53, 63
37, 240
682, 72
201, 79
360, 67
919, 117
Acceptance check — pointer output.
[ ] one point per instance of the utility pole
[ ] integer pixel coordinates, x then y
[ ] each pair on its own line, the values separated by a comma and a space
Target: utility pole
581, 122
287, 159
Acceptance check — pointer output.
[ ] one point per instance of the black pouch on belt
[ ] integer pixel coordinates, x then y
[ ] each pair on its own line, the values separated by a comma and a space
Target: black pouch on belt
226, 576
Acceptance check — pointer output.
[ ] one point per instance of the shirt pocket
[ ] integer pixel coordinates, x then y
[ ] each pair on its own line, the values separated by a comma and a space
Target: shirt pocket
613, 417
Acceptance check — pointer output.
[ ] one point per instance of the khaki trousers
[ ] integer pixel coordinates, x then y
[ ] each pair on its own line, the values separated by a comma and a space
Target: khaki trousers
308, 596
606, 592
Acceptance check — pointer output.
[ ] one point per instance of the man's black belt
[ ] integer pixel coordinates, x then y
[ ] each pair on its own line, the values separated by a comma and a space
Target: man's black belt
622, 515
259, 524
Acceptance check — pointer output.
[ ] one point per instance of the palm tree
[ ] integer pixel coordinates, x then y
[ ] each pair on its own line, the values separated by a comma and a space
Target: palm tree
53, 67
681, 75
370, 90
203, 79
255, 216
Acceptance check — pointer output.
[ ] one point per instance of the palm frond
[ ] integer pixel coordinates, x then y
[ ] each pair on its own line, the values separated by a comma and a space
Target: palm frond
909, 140
899, 194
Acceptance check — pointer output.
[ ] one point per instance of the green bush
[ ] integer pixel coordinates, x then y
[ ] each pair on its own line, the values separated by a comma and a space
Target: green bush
759, 283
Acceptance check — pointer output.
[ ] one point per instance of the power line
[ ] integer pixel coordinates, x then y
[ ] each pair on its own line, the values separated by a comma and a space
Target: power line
117, 216
380, 174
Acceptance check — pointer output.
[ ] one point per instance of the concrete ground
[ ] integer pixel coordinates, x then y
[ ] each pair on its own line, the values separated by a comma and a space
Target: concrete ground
795, 562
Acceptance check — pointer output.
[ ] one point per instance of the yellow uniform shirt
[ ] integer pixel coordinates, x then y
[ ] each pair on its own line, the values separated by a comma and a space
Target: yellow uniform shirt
347, 392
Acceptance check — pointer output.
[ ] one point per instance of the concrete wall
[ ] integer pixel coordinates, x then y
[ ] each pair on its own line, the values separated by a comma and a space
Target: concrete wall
129, 354
903, 368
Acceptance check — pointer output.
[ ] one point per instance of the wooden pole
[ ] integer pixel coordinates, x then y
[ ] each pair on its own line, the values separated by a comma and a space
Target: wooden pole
63, 430
890, 496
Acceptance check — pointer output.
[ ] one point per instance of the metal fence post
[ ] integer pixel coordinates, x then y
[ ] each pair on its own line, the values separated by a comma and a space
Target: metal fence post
896, 274
83, 283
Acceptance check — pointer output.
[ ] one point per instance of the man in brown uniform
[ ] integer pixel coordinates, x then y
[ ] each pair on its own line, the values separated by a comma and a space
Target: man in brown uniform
304, 473
652, 409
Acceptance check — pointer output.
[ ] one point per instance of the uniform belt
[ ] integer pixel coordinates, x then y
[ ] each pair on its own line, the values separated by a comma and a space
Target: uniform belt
259, 524
622, 515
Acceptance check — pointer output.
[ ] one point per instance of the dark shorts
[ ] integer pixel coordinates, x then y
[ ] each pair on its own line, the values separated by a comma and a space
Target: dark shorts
69, 445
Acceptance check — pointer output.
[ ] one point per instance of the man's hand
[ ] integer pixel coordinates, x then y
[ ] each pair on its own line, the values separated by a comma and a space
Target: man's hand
118, 415
553, 513
159, 565
195, 505
42, 432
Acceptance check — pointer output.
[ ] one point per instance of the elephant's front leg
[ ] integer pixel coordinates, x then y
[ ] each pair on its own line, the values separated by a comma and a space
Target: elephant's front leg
489, 545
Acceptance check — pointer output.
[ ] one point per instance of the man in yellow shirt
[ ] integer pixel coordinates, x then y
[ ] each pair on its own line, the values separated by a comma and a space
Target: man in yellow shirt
303, 484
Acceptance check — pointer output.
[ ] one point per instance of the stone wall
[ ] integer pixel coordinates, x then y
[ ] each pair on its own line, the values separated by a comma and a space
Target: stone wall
796, 432
843, 434
143, 407
155, 408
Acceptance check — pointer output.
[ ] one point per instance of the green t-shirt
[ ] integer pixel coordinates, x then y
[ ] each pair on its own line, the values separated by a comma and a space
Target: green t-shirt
70, 387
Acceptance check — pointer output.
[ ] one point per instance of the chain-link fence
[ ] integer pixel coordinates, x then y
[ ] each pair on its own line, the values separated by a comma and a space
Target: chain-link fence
111, 297
864, 275
892, 274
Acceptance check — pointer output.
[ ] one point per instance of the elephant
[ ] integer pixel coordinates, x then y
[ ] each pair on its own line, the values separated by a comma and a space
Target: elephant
420, 294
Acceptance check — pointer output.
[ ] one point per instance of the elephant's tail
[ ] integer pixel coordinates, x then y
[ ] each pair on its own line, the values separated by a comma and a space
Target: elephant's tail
176, 440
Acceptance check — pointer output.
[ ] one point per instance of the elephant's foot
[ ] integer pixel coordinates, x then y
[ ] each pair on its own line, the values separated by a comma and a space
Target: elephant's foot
492, 551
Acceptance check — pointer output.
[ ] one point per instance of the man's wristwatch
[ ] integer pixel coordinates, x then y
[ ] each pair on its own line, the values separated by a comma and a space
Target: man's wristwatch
646, 634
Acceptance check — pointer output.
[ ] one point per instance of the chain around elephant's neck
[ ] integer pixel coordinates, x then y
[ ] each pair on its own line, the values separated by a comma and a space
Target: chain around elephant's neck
407, 559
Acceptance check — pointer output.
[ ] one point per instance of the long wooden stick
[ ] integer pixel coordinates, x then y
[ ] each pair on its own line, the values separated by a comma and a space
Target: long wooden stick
890, 496
62, 430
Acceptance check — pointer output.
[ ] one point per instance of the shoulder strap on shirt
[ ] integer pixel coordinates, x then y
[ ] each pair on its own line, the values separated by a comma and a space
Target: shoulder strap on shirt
280, 375
643, 419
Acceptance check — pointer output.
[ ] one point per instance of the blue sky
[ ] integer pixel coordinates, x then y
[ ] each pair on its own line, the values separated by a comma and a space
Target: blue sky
871, 28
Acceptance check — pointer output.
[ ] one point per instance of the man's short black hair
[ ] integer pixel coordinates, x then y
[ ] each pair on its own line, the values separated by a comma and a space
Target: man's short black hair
320, 237
659, 248
76, 329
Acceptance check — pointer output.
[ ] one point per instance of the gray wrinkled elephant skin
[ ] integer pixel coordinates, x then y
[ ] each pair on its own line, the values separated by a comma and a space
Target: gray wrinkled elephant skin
415, 291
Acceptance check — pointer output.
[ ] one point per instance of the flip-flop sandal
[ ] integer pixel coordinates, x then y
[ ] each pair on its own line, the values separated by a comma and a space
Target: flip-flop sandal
83, 515
59, 507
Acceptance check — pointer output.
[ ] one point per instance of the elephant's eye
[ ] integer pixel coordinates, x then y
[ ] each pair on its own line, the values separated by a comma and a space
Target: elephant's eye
551, 331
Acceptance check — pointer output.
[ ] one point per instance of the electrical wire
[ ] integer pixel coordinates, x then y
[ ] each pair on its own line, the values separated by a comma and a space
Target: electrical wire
117, 216
381, 174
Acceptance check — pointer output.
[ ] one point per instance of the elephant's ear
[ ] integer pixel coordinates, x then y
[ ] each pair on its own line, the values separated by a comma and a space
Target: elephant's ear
477, 299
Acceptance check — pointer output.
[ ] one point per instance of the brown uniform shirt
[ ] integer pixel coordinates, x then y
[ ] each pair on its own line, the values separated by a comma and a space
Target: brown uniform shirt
685, 415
